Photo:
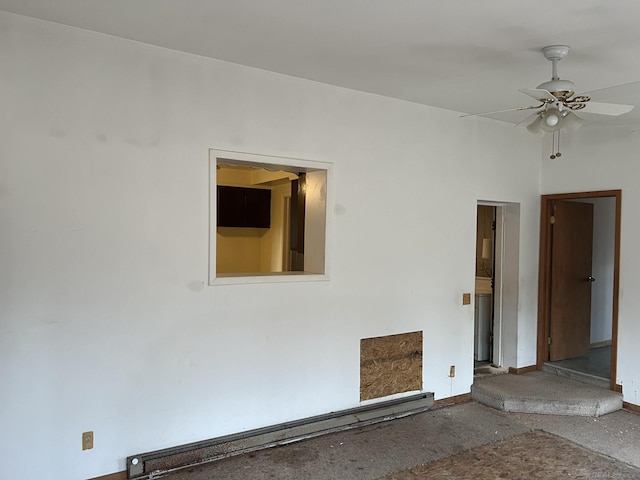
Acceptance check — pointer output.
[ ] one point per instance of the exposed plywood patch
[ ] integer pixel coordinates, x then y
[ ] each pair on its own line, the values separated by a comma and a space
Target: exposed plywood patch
522, 457
391, 364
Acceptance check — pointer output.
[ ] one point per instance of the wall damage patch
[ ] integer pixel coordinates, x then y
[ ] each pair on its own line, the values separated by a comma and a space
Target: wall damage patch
390, 364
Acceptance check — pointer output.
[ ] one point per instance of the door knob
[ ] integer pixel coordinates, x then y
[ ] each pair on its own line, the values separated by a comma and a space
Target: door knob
591, 279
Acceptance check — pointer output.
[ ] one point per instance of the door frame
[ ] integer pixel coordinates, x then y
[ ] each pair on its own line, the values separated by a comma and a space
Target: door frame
544, 283
506, 275
495, 355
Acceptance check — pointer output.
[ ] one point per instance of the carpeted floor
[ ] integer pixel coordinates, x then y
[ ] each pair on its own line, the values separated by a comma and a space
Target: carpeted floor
465, 441
531, 455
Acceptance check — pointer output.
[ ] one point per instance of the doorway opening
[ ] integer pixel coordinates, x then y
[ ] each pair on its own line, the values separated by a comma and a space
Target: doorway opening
496, 286
578, 284
483, 333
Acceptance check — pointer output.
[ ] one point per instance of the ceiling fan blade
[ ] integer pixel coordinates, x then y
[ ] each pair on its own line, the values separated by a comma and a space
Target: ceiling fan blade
572, 122
527, 119
622, 90
539, 94
531, 107
613, 109
534, 127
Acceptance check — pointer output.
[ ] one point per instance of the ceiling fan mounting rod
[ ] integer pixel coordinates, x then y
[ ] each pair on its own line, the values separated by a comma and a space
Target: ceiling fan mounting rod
554, 69
555, 53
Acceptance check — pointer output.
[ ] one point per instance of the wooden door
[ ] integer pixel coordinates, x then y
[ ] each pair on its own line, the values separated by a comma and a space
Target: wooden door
570, 302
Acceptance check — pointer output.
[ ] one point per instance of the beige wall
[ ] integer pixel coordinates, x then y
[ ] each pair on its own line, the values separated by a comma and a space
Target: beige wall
253, 250
238, 250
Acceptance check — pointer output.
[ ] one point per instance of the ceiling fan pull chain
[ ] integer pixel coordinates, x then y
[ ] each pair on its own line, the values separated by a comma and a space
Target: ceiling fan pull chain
553, 141
558, 154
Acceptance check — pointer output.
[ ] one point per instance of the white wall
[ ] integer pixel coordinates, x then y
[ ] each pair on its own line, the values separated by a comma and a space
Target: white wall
605, 159
604, 223
509, 286
107, 322
315, 227
604, 229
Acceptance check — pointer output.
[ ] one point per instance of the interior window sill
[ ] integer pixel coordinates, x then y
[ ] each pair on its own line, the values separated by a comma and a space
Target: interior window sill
279, 277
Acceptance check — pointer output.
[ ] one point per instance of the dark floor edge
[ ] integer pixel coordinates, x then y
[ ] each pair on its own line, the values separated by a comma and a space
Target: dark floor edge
112, 476
523, 370
455, 400
632, 407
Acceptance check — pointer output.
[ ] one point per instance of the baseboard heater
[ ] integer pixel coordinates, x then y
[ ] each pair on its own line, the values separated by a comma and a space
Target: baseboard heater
156, 464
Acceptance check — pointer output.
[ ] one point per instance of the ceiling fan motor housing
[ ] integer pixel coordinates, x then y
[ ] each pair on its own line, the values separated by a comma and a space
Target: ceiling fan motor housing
561, 89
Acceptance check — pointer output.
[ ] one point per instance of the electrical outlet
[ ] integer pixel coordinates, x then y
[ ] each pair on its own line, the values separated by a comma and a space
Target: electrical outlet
87, 440
452, 371
466, 299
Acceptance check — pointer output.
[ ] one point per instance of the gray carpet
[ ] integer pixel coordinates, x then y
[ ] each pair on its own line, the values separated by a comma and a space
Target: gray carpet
396, 447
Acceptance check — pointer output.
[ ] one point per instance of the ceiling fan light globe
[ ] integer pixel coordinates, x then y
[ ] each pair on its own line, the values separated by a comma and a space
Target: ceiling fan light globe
552, 120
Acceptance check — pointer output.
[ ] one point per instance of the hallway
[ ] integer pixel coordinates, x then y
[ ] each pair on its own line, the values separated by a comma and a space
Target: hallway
597, 363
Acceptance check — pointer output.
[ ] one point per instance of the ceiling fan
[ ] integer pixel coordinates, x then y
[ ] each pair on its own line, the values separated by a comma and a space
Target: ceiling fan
558, 102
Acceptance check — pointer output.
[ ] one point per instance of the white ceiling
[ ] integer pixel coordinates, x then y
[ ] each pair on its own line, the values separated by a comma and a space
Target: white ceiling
463, 55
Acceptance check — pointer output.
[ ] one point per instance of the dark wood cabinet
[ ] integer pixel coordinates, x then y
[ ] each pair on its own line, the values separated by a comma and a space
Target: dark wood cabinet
244, 207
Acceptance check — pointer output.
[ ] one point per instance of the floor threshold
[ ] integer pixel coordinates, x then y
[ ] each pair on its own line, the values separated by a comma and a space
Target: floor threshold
583, 377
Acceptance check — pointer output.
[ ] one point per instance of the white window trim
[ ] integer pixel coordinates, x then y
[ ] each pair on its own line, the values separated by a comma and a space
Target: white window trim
268, 162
